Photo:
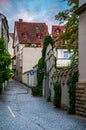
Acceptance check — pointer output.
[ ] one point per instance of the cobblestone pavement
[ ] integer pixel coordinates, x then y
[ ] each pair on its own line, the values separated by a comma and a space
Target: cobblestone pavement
21, 111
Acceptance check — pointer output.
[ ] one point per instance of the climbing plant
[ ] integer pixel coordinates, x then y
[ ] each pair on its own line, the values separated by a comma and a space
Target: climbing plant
57, 94
72, 85
47, 40
37, 91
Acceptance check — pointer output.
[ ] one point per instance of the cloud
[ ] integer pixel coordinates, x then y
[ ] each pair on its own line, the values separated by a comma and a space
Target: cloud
25, 14
4, 3
31, 11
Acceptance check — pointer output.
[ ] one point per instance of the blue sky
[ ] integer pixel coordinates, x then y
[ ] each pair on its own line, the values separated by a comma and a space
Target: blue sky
31, 10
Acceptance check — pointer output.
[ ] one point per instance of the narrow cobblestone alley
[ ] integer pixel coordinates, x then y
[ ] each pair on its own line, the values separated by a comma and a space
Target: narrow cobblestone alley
19, 110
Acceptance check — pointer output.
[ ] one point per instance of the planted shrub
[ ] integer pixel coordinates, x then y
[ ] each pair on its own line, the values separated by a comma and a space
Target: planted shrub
57, 95
36, 91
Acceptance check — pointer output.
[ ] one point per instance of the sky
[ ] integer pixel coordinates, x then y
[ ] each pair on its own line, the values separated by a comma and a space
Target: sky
32, 11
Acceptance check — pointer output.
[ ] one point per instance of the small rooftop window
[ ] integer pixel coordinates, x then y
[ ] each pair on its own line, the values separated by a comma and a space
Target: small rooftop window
24, 35
58, 31
38, 35
37, 28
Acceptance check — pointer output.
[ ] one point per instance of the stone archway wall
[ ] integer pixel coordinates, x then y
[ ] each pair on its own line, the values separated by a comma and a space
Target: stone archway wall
62, 77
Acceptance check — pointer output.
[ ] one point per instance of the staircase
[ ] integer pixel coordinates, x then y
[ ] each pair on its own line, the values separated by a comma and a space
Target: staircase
80, 106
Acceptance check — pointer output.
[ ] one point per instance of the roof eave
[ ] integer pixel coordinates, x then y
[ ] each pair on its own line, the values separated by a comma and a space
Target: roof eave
81, 9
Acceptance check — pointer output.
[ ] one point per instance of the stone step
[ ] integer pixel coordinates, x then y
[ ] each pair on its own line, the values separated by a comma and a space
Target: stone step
81, 113
82, 106
80, 102
80, 95
81, 99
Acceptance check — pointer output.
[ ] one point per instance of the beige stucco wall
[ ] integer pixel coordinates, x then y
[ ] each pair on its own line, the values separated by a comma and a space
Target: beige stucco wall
82, 47
10, 49
30, 58
10, 44
65, 94
30, 80
24, 78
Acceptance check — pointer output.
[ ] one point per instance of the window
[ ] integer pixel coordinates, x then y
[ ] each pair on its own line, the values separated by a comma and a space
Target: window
67, 54
25, 35
37, 28
58, 31
38, 35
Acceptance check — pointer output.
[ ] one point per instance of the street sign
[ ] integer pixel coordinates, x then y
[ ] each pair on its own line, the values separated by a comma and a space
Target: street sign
31, 72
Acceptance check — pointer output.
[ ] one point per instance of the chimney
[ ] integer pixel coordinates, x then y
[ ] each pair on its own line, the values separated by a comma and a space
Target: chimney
20, 20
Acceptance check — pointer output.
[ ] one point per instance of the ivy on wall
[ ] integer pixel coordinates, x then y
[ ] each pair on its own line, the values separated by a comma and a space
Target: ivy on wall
37, 91
57, 94
72, 85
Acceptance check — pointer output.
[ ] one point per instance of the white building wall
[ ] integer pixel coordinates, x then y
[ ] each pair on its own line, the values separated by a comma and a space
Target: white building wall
82, 47
10, 44
0, 28
30, 58
30, 80
24, 78
10, 48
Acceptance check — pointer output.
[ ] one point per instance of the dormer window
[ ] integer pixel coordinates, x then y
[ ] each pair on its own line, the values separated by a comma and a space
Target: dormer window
38, 35
64, 30
58, 31
37, 28
24, 35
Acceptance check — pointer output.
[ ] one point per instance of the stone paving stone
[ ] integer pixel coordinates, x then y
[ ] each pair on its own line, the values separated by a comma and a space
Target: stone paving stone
33, 113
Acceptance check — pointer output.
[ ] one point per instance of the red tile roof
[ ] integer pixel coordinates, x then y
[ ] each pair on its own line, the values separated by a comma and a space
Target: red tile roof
56, 30
31, 32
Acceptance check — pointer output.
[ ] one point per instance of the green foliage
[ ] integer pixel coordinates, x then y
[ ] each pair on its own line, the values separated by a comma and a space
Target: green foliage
49, 96
36, 91
39, 72
5, 61
74, 58
47, 40
57, 94
70, 35
72, 85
